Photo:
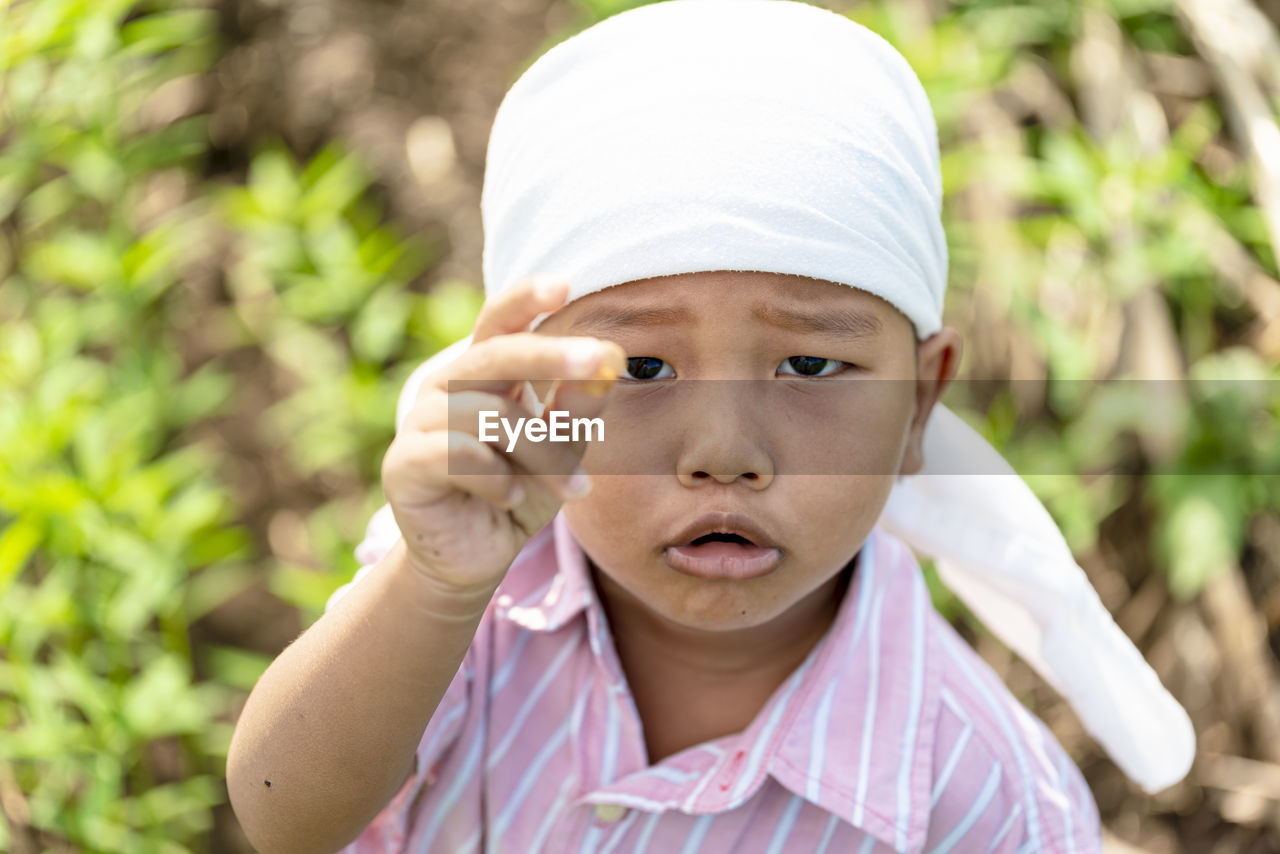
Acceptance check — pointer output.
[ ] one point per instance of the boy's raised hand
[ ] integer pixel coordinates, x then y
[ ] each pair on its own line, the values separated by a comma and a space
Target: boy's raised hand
463, 529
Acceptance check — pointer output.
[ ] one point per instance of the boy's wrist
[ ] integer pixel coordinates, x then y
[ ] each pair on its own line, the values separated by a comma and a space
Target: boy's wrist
436, 597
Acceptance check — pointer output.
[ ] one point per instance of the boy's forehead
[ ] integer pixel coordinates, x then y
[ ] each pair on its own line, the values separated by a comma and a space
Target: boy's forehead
797, 302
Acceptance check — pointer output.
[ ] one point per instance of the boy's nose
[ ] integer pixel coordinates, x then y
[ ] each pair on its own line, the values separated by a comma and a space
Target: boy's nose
722, 443
755, 479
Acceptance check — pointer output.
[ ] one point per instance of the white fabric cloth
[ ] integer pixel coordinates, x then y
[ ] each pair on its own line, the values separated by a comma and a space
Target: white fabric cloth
719, 135
998, 549
768, 135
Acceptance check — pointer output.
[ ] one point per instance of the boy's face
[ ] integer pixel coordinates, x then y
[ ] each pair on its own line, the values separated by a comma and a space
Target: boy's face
803, 452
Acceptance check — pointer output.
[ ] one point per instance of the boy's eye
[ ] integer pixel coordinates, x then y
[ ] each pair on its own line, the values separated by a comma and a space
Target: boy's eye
810, 366
648, 368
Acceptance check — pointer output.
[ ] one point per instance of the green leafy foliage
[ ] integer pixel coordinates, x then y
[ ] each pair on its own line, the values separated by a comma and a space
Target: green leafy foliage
117, 531
104, 521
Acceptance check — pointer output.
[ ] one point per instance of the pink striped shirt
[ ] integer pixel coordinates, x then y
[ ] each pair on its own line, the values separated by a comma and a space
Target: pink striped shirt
893, 735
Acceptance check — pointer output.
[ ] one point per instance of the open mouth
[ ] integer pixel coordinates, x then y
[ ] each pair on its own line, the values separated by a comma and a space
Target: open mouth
724, 555
718, 537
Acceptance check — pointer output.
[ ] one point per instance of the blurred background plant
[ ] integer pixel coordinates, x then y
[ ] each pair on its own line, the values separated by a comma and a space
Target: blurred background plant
230, 229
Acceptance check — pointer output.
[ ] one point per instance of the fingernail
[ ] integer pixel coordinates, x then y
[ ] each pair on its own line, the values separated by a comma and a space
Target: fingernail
515, 495
582, 356
577, 486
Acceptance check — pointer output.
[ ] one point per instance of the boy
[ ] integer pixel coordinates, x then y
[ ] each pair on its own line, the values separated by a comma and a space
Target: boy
718, 650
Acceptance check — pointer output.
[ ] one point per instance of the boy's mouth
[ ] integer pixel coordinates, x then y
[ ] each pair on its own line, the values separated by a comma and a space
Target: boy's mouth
723, 546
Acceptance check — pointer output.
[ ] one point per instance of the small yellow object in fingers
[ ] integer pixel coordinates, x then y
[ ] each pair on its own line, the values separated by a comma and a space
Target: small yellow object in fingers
600, 381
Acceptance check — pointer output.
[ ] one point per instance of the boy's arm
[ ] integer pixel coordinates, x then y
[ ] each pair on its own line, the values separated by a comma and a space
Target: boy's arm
330, 730
329, 733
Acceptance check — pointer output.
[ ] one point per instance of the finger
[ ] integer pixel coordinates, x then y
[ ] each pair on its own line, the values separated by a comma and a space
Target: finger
552, 464
537, 448
430, 410
582, 392
483, 472
435, 411
416, 470
517, 307
498, 363
584, 403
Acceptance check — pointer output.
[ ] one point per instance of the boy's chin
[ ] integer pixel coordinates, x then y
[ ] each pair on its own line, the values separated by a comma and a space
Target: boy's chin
715, 610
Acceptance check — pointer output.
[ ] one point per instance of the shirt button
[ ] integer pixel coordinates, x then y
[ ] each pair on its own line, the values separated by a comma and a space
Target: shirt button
610, 812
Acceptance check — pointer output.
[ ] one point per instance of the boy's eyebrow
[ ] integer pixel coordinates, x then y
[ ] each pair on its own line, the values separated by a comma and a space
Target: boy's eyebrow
603, 319
840, 322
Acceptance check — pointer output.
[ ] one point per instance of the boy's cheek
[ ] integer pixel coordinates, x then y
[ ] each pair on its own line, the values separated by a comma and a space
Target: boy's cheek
617, 517
632, 440
863, 441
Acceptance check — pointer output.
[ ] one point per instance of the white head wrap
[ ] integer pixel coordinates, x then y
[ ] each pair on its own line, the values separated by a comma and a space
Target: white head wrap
768, 135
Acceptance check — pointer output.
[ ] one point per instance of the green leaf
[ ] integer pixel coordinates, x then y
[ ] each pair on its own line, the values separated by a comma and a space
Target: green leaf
95, 171
211, 587
273, 184
333, 182
450, 311
379, 328
160, 700
1202, 530
51, 200
77, 258
161, 31
239, 668
17, 542
20, 353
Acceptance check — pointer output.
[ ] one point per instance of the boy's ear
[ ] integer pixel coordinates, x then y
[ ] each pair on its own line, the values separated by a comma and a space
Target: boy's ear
937, 360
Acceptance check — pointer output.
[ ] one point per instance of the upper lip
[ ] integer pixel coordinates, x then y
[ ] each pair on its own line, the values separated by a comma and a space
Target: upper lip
724, 523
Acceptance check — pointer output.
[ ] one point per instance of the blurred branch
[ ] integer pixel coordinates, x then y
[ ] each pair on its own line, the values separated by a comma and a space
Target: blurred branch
1248, 675
16, 813
1240, 271
1173, 74
1112, 844
1241, 47
1117, 104
1251, 788
1237, 773
1031, 90
1113, 97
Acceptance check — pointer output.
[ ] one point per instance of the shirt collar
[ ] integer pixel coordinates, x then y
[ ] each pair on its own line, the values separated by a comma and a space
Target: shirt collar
851, 731
559, 587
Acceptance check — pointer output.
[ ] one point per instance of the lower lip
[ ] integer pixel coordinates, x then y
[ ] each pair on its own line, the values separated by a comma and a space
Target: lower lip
727, 561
